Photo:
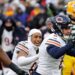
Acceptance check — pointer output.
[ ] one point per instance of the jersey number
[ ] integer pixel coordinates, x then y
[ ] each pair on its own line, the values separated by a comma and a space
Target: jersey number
7, 42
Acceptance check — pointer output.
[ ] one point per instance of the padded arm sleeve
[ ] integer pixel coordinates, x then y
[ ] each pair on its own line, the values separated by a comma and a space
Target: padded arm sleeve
26, 60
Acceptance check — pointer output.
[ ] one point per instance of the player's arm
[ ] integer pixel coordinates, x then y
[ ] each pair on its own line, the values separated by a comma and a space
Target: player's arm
4, 58
23, 58
7, 62
56, 51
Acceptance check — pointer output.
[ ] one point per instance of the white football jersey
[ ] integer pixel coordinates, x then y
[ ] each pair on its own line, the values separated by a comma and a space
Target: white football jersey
7, 38
24, 45
47, 64
46, 34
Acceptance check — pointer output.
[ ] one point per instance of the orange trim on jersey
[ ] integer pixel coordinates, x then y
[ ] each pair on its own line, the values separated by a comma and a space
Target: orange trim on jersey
54, 43
22, 48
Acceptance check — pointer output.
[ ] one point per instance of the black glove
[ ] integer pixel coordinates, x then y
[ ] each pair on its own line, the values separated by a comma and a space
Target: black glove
23, 73
16, 69
71, 41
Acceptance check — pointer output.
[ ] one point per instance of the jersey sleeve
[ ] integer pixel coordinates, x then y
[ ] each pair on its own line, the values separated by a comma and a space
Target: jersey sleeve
22, 46
53, 42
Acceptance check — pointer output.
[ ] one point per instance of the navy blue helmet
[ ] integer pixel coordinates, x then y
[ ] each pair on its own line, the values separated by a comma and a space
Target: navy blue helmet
59, 21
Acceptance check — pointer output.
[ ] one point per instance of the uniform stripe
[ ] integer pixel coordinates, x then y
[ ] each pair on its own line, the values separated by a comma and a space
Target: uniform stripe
54, 40
22, 47
23, 50
54, 43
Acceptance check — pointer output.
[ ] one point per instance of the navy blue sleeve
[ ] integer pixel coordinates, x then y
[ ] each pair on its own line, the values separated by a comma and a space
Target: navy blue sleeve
57, 52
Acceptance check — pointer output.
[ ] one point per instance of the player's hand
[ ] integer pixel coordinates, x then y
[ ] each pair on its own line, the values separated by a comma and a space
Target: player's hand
72, 41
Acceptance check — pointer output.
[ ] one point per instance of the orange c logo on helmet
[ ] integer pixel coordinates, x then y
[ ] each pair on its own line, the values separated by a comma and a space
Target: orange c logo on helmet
59, 19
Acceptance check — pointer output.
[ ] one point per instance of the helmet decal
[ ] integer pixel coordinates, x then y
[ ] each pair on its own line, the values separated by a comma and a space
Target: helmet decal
59, 19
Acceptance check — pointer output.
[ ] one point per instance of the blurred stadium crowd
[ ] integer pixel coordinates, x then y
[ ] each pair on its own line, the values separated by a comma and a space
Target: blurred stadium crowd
20, 16
25, 15
30, 13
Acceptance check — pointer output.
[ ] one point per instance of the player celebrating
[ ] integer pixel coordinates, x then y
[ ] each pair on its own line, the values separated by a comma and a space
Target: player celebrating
53, 48
26, 52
